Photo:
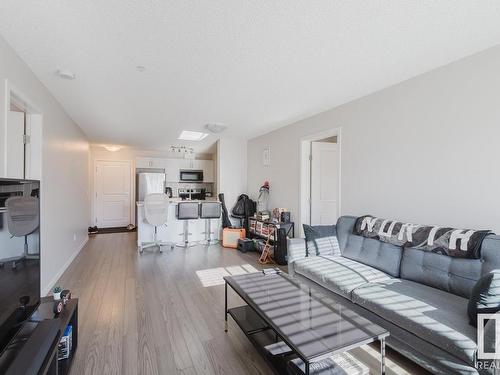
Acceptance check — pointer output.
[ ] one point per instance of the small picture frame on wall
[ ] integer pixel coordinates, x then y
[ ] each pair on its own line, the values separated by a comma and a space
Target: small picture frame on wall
266, 156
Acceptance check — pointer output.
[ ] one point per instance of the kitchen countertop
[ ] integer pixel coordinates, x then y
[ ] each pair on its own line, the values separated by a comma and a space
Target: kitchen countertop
170, 233
177, 200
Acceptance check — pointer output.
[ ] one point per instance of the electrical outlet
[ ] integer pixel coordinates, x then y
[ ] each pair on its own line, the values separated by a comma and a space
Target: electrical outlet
74, 236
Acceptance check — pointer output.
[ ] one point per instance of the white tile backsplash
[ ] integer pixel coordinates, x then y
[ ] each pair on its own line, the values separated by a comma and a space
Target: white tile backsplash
208, 186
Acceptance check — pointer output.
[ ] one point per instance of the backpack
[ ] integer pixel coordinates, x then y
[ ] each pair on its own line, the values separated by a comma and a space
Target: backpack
244, 207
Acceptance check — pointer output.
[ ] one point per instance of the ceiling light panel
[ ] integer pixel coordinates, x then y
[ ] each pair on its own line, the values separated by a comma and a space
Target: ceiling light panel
112, 148
188, 135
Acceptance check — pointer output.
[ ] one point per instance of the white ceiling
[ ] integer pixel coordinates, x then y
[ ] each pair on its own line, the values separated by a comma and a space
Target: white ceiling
253, 65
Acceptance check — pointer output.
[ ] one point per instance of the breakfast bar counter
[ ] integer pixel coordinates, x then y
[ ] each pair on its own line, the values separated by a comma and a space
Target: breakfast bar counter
172, 231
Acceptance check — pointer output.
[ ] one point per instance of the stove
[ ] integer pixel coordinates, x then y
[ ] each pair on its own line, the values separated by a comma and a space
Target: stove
192, 193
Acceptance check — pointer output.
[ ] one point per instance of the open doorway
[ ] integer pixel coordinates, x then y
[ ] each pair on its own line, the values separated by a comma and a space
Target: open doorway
320, 178
23, 137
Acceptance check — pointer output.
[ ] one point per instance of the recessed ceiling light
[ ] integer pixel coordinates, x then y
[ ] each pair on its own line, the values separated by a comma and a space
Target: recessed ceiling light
188, 135
140, 68
112, 148
215, 128
66, 74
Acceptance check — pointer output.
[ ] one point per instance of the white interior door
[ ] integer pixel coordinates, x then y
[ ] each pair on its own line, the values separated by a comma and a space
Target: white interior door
112, 183
14, 145
324, 183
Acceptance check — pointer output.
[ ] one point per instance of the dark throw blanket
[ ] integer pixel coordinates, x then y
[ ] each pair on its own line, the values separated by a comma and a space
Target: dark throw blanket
459, 243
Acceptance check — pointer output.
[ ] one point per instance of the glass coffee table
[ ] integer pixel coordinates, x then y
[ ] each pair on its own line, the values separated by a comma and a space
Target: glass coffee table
285, 319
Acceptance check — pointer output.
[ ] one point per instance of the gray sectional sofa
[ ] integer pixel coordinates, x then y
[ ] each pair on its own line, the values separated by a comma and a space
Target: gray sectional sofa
420, 297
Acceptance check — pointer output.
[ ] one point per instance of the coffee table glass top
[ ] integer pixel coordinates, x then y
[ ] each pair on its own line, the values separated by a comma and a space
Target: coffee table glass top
311, 327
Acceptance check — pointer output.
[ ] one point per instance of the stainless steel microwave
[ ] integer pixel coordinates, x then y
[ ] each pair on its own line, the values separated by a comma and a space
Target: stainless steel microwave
191, 176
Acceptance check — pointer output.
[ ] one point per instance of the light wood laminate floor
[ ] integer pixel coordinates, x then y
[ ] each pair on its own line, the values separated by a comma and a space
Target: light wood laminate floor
155, 314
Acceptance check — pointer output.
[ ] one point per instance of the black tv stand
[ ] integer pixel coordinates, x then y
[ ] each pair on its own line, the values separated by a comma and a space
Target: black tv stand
35, 347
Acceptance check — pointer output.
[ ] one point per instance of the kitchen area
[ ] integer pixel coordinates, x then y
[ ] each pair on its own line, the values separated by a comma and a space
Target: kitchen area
184, 179
179, 178
117, 193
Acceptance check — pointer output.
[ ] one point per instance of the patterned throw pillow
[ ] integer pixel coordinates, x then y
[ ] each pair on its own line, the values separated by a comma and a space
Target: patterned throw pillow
485, 297
321, 240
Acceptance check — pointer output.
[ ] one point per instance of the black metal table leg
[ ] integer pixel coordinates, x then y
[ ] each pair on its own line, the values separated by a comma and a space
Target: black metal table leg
382, 356
225, 306
307, 367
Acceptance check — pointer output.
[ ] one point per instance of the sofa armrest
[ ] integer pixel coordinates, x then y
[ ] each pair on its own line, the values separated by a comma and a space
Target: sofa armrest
296, 249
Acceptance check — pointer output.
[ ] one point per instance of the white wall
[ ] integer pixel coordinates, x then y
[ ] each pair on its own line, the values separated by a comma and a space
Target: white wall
425, 150
231, 169
65, 169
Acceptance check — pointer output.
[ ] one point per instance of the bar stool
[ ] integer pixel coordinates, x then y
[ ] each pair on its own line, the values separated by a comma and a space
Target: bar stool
186, 211
209, 211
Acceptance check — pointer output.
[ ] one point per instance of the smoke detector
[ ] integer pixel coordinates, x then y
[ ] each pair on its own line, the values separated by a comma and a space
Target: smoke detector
66, 74
215, 128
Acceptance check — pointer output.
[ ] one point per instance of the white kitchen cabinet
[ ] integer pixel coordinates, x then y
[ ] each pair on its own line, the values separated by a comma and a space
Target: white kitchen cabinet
208, 168
150, 163
190, 164
142, 163
157, 163
172, 168
187, 164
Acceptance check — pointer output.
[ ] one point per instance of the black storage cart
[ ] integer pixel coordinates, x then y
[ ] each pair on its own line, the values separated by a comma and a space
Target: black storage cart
264, 229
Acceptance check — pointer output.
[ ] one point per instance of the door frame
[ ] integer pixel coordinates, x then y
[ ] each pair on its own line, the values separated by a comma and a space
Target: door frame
305, 173
94, 192
33, 116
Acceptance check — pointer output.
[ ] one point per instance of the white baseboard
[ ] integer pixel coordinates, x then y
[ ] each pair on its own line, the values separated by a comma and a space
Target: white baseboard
46, 289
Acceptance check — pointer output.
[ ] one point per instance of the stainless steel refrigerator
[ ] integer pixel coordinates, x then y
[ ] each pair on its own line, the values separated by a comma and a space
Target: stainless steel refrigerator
148, 183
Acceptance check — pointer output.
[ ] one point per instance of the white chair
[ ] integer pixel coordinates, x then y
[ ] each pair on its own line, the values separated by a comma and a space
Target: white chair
23, 218
156, 213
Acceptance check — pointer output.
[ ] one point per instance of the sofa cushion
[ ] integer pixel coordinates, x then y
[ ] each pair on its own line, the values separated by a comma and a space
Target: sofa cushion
485, 296
339, 274
433, 315
383, 256
321, 240
454, 275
